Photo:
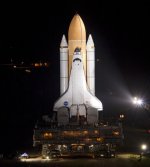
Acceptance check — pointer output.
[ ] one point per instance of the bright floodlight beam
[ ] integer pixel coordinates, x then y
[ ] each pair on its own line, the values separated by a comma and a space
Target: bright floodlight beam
137, 101
143, 147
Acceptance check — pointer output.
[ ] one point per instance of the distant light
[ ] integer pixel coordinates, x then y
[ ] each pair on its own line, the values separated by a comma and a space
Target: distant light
85, 132
122, 116
46, 64
47, 135
116, 133
14, 66
37, 65
100, 139
112, 155
139, 102
24, 155
96, 131
27, 70
143, 146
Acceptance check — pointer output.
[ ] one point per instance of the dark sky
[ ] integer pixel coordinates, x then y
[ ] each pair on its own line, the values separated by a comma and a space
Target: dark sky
32, 32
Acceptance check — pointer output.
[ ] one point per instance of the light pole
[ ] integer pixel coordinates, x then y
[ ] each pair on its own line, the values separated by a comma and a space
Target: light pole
138, 103
121, 118
143, 148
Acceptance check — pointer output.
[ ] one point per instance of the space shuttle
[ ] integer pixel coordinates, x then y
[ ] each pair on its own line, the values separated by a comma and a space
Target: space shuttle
77, 102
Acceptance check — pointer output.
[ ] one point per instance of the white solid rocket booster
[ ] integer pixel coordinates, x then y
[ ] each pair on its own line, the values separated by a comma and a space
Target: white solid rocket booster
91, 64
63, 65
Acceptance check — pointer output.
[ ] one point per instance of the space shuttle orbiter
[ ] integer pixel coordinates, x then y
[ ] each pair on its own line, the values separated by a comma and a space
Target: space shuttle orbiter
77, 77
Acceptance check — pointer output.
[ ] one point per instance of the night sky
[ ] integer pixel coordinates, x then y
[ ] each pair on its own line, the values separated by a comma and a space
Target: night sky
32, 32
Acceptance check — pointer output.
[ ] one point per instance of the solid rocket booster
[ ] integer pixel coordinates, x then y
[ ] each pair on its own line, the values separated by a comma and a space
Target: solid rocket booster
91, 64
63, 65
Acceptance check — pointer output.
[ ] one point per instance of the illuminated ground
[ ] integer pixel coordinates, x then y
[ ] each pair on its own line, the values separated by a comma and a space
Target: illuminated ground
122, 160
